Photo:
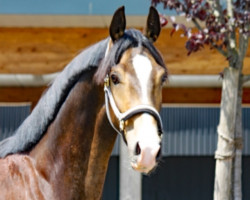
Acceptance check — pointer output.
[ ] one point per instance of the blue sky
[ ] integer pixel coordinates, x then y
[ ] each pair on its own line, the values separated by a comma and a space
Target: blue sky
73, 7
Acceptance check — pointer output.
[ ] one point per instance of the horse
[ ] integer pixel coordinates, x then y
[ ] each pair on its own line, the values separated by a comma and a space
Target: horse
61, 150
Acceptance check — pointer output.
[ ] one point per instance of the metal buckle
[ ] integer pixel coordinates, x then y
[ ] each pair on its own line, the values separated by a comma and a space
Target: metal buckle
106, 81
122, 125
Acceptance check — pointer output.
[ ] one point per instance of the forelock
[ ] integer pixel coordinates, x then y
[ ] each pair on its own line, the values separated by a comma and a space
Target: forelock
131, 39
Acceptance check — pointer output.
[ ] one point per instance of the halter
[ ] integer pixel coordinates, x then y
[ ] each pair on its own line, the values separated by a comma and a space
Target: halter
122, 117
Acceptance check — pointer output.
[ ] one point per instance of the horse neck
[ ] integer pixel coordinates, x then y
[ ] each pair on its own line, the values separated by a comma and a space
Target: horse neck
102, 145
73, 154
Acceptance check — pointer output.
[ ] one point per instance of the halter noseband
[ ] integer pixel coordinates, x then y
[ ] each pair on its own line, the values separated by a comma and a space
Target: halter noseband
122, 117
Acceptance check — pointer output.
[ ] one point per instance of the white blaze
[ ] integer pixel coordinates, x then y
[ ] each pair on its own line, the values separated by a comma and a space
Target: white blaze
143, 69
146, 129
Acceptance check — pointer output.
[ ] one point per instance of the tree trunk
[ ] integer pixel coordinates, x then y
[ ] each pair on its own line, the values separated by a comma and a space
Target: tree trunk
237, 161
228, 153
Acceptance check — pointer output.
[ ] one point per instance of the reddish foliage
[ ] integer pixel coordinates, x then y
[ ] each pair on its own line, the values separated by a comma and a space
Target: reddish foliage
217, 25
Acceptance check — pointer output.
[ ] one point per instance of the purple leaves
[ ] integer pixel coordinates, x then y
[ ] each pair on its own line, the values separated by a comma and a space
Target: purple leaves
218, 25
195, 42
163, 20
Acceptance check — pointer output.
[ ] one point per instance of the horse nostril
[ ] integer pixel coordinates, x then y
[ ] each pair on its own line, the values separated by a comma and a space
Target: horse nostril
137, 149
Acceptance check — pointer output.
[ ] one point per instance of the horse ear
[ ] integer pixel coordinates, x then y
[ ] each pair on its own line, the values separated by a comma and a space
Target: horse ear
118, 24
153, 28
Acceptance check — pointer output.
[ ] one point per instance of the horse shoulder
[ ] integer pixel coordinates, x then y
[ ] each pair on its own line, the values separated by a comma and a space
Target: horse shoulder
19, 179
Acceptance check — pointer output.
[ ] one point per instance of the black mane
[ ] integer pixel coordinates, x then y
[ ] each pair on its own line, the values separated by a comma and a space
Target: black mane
36, 124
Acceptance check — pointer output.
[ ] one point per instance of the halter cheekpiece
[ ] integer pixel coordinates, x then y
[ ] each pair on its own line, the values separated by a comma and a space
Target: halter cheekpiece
122, 117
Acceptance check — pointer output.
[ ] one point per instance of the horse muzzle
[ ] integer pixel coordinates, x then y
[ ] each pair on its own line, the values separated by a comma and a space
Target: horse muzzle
147, 158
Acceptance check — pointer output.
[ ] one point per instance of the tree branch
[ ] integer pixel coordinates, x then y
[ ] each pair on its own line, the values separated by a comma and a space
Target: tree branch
198, 26
243, 45
221, 51
243, 42
244, 39
216, 7
232, 38
217, 10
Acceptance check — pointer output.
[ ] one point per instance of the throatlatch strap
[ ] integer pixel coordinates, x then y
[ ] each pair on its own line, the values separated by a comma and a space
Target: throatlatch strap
121, 132
108, 112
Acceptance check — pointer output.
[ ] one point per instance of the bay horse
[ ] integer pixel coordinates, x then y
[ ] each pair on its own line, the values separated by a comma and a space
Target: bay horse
61, 150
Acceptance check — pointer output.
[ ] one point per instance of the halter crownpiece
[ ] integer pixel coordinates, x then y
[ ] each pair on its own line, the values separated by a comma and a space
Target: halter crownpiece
122, 117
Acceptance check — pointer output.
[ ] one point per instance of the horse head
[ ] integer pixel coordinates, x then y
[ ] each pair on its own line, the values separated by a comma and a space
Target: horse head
133, 85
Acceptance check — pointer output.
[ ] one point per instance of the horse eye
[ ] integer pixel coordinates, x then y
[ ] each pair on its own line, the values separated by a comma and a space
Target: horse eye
115, 79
